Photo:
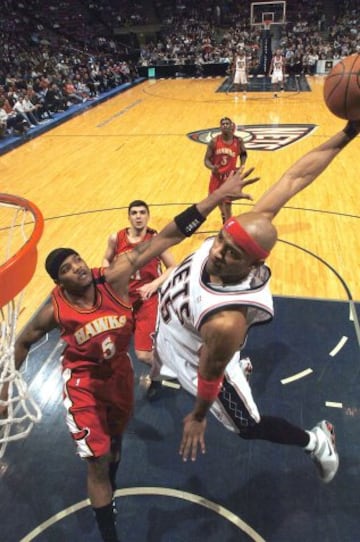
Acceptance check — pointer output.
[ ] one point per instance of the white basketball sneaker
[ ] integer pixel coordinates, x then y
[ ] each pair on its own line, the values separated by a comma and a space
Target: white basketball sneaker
325, 455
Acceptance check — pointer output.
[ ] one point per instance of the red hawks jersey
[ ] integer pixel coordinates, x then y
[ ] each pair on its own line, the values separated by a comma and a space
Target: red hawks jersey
96, 336
148, 272
225, 155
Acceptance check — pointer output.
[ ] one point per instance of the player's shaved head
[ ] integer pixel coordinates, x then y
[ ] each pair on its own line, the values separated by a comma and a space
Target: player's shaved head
258, 228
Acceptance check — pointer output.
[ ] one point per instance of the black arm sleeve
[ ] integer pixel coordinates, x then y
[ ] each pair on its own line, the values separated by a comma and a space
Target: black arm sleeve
189, 220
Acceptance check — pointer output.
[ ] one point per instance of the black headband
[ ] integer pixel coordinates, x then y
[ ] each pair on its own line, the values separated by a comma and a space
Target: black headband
55, 259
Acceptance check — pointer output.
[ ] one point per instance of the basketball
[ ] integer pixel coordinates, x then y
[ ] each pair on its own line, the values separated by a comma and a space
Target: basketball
342, 88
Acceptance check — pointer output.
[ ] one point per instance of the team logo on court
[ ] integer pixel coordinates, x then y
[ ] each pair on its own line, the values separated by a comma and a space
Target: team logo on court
260, 137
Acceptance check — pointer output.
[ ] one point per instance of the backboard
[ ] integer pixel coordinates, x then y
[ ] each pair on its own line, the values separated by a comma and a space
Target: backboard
262, 13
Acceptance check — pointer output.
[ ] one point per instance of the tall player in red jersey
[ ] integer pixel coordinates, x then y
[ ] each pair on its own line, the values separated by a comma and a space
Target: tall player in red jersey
221, 158
144, 284
93, 311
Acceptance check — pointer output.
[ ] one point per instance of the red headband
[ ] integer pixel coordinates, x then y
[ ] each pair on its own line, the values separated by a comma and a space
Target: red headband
243, 240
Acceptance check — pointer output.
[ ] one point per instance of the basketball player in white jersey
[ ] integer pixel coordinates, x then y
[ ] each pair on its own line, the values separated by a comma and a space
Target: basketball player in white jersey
240, 72
207, 306
277, 72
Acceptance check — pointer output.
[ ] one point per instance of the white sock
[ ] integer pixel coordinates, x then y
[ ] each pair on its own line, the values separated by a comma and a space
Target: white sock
312, 442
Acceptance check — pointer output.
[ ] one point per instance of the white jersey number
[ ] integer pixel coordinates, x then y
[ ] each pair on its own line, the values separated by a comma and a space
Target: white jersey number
175, 299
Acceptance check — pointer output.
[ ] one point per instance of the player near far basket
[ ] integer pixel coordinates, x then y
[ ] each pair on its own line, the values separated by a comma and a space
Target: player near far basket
239, 68
277, 72
144, 284
221, 158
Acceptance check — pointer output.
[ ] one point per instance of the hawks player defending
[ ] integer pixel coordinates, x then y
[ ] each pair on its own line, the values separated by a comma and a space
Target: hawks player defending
277, 72
221, 158
93, 311
240, 73
144, 284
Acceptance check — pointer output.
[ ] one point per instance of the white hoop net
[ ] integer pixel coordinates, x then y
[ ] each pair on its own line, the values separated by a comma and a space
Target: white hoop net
18, 411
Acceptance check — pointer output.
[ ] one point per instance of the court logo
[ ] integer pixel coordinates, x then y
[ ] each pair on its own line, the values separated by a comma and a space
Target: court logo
260, 137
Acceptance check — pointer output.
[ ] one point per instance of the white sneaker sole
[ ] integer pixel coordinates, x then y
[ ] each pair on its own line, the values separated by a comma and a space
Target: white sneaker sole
328, 462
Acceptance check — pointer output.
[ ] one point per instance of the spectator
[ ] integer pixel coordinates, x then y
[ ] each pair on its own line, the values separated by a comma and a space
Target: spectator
71, 94
54, 100
12, 122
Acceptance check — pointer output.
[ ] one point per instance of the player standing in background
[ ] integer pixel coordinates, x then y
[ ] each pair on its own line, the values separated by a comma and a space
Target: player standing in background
277, 72
144, 284
240, 72
221, 158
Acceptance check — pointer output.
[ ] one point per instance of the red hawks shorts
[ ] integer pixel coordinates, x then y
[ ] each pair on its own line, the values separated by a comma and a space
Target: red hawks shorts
216, 182
145, 313
98, 405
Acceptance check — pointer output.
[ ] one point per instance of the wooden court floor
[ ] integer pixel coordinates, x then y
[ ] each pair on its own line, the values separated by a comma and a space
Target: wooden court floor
82, 175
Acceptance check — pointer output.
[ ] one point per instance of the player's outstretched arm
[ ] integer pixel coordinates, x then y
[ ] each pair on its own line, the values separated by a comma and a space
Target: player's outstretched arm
147, 290
209, 156
183, 225
110, 251
242, 152
222, 336
43, 322
305, 171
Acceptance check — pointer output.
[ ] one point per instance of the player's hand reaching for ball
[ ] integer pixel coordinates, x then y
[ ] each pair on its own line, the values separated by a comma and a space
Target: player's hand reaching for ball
236, 182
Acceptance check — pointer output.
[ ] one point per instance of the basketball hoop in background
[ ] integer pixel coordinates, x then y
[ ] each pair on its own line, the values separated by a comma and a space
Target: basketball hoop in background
21, 226
263, 12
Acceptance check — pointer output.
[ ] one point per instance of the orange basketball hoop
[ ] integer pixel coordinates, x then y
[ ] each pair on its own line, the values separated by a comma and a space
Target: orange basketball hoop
21, 226
19, 268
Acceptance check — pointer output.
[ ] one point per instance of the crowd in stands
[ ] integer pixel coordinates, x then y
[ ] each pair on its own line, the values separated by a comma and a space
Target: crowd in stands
58, 54
51, 61
212, 31
117, 14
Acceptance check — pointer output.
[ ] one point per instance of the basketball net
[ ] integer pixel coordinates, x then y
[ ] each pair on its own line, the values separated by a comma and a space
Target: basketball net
21, 226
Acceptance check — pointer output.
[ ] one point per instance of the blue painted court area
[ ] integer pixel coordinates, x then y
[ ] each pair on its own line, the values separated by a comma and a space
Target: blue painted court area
306, 368
262, 83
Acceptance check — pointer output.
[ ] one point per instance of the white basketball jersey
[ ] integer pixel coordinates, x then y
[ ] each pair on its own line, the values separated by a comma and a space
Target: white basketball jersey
187, 300
240, 76
240, 63
278, 63
278, 73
